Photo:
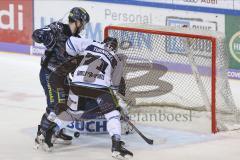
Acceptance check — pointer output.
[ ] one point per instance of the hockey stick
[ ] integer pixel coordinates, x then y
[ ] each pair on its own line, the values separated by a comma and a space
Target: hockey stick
126, 119
79, 91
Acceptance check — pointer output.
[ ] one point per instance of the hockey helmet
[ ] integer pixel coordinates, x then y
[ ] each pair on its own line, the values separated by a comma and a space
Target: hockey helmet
111, 43
78, 13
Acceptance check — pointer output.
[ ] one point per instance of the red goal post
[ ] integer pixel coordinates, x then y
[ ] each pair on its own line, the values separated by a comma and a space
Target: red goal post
187, 39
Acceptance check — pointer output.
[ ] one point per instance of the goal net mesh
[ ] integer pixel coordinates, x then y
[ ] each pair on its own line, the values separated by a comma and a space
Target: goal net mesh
177, 67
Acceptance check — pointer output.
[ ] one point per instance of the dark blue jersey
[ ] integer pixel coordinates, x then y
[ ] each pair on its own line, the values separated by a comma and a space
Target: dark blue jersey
54, 37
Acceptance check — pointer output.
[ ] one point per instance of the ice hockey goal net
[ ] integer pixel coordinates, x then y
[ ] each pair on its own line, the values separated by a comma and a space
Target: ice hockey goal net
177, 67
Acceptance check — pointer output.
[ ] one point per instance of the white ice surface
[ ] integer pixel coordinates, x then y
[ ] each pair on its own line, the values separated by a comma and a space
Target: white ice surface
22, 103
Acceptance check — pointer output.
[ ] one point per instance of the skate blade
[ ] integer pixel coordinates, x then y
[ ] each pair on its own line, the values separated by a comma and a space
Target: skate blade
43, 146
64, 142
61, 141
36, 146
46, 148
38, 142
118, 156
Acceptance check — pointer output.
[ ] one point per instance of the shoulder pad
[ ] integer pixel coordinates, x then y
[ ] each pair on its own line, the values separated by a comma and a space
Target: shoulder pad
57, 25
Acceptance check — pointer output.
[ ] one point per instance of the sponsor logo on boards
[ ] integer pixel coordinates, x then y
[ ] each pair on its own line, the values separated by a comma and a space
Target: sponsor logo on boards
202, 1
176, 44
234, 46
192, 1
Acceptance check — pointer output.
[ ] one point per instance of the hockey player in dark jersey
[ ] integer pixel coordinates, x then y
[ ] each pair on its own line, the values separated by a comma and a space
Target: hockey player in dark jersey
54, 37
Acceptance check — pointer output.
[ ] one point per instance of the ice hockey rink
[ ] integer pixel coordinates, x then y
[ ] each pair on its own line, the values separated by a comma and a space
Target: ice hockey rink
22, 103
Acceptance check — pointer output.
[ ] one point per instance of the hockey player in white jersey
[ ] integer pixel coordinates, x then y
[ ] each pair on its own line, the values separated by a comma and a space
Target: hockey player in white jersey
99, 72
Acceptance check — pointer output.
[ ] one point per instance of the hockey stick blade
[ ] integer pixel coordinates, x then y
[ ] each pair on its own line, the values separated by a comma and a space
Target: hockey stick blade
149, 141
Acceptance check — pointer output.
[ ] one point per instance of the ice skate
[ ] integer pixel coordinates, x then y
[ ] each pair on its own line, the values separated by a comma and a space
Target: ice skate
61, 138
118, 151
43, 140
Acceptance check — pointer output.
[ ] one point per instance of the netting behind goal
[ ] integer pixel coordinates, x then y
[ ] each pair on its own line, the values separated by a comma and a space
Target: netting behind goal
176, 67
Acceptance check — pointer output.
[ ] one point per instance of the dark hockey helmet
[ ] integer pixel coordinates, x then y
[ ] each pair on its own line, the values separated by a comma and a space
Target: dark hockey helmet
111, 43
78, 13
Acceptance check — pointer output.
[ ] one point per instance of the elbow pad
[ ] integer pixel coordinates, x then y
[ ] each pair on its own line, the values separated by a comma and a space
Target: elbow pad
45, 37
37, 36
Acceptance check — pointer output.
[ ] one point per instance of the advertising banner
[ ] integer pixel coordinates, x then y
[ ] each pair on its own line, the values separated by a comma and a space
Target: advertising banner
237, 4
226, 4
103, 14
16, 21
229, 7
196, 23
233, 44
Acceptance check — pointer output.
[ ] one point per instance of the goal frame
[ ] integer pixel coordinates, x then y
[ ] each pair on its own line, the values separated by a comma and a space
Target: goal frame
212, 39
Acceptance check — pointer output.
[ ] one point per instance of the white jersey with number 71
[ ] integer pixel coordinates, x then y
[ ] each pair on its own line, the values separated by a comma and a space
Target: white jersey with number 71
98, 65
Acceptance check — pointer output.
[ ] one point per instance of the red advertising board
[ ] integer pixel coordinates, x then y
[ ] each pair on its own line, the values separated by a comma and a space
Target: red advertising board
16, 21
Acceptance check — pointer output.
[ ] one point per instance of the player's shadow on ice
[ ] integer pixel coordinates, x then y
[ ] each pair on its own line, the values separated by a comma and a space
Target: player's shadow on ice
85, 141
